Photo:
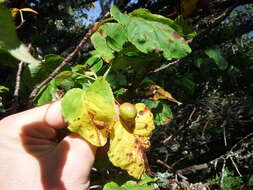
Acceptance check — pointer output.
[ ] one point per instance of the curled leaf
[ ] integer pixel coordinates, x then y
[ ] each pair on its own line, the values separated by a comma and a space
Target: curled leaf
144, 124
159, 93
91, 114
128, 148
29, 10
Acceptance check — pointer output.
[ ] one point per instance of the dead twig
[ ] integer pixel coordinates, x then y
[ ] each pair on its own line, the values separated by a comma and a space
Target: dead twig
187, 124
193, 169
230, 154
165, 165
15, 103
165, 66
22, 20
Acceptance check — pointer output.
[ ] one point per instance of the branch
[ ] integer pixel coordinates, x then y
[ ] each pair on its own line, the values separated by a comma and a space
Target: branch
15, 103
165, 66
93, 28
230, 154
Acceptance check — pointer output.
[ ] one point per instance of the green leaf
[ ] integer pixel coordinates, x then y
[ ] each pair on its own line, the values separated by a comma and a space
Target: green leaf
3, 89
109, 38
186, 26
130, 185
101, 46
115, 35
36, 73
151, 36
9, 40
22, 53
47, 94
217, 57
112, 186
161, 110
91, 114
146, 14
145, 179
95, 56
133, 58
97, 66
69, 103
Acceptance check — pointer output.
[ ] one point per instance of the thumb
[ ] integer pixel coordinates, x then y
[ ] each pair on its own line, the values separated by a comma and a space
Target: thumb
79, 161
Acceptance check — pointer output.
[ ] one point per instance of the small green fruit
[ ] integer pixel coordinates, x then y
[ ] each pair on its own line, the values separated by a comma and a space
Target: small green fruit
127, 111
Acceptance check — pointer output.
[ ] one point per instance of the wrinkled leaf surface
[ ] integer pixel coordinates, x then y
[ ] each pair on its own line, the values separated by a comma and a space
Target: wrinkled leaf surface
151, 36
9, 40
95, 113
128, 147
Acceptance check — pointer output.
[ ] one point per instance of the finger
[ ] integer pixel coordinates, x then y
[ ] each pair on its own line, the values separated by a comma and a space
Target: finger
79, 161
47, 115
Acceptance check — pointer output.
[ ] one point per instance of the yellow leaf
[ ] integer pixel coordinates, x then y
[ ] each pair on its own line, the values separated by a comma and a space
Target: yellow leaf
91, 114
29, 10
159, 93
14, 12
128, 148
144, 124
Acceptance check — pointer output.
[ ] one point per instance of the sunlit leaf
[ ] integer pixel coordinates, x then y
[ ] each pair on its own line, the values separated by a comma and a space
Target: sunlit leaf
144, 124
101, 46
108, 39
130, 185
36, 73
128, 146
29, 10
3, 89
151, 36
46, 94
159, 93
146, 14
14, 11
95, 113
9, 40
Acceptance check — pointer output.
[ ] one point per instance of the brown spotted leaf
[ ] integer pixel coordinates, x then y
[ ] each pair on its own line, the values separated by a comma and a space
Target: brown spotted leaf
150, 36
128, 147
91, 114
159, 93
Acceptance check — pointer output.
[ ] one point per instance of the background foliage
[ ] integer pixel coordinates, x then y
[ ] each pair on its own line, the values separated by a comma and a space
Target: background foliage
204, 143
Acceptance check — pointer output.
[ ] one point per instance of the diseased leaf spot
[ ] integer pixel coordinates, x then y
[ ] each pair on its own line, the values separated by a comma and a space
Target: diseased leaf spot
101, 32
156, 51
129, 154
176, 35
141, 112
146, 109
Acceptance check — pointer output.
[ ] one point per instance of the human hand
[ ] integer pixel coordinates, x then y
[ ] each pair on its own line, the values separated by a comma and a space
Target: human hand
31, 159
